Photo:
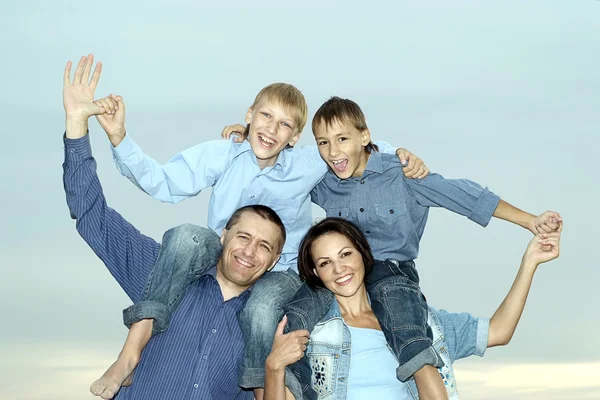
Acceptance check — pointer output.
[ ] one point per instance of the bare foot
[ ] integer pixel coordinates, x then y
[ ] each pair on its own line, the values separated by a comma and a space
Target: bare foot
117, 375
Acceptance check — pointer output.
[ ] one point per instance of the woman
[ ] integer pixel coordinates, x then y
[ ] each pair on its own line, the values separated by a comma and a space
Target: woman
347, 352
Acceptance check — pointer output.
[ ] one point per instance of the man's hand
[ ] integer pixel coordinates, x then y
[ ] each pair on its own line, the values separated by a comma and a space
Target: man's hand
543, 250
78, 95
287, 348
113, 118
550, 221
237, 130
412, 166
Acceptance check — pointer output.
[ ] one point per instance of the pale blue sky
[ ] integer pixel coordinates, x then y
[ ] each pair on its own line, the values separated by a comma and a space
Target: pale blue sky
504, 93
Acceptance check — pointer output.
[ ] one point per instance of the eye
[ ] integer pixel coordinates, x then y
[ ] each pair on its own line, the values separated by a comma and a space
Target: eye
324, 263
321, 142
244, 238
286, 125
342, 139
346, 254
265, 247
266, 115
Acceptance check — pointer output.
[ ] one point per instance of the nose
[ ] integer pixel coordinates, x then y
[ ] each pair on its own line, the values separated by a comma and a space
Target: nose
333, 150
271, 127
249, 250
339, 268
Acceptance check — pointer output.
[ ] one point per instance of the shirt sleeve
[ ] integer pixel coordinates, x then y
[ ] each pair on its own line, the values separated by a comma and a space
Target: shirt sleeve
183, 176
128, 254
462, 196
464, 334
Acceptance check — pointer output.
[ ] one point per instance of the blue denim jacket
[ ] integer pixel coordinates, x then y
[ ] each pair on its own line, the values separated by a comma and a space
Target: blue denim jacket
455, 336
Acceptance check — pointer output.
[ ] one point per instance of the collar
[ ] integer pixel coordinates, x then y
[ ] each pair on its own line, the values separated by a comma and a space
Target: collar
280, 163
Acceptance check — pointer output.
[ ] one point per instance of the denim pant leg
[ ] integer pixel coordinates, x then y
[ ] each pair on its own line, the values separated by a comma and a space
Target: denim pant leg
305, 310
401, 309
258, 322
187, 251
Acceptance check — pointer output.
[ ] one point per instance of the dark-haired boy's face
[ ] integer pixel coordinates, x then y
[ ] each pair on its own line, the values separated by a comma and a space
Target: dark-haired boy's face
343, 148
272, 128
251, 247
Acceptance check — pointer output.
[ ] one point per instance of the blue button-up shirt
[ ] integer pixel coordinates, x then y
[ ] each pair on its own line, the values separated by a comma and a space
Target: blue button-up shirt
236, 179
198, 356
392, 210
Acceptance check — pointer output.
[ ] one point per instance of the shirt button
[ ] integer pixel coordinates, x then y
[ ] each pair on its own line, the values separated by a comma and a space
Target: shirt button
195, 386
204, 357
362, 182
340, 214
367, 232
252, 196
362, 209
391, 211
214, 331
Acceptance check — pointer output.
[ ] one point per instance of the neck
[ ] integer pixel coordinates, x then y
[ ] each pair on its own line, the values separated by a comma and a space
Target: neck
364, 159
229, 289
262, 164
355, 305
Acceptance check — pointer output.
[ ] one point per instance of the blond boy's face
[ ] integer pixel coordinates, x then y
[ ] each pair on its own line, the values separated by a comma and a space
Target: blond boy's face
343, 148
272, 128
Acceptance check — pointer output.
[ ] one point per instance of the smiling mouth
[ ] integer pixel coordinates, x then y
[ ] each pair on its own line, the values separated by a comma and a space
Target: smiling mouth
344, 280
265, 142
243, 263
340, 165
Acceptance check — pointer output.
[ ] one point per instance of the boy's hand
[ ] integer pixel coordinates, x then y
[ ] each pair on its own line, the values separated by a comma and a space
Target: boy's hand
237, 130
550, 221
78, 94
543, 250
112, 120
412, 166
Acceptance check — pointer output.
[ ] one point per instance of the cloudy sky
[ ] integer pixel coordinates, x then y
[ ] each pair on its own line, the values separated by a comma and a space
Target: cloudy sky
505, 93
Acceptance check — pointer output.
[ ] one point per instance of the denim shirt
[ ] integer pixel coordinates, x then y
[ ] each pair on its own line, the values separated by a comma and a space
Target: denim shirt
455, 336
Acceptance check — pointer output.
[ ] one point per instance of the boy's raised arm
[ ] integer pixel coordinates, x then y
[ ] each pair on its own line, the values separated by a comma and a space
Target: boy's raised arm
183, 176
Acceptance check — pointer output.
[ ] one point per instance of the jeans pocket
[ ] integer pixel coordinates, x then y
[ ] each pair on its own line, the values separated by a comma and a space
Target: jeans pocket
323, 367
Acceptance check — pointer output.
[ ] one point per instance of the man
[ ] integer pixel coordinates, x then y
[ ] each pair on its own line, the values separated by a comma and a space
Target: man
199, 355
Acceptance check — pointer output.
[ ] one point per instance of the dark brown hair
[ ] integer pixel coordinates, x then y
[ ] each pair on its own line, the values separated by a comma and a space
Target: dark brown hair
262, 211
341, 110
306, 266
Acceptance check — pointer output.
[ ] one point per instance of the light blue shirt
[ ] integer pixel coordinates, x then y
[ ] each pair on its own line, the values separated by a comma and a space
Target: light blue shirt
372, 373
231, 169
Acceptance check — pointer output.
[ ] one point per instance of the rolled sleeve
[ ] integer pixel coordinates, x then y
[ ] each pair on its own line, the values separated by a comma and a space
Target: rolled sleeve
484, 208
464, 334
77, 149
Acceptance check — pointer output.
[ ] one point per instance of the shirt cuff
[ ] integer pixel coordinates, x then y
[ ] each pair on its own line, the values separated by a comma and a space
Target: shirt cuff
483, 330
484, 208
79, 148
124, 149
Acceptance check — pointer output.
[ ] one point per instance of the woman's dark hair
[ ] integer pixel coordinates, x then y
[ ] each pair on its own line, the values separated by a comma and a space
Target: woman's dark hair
344, 227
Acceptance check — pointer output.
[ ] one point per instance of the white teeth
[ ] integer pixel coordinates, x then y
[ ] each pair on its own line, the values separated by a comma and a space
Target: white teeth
266, 139
337, 162
244, 262
344, 279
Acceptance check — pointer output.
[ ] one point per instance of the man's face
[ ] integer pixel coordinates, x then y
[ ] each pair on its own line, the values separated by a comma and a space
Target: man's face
250, 248
272, 128
342, 147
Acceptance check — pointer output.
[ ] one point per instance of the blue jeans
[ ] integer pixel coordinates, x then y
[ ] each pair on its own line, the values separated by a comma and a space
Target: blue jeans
398, 304
187, 251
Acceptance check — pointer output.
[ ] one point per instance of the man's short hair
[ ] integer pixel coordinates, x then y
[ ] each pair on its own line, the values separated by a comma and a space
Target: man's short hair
341, 110
262, 211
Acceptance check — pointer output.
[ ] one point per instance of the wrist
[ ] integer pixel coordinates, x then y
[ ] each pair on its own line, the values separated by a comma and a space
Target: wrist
529, 264
273, 366
116, 137
76, 127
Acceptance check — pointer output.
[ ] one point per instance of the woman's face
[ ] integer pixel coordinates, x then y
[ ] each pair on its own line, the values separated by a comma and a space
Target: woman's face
338, 264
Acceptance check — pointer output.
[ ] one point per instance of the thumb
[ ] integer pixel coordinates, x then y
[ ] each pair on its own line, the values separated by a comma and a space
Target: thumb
281, 326
403, 155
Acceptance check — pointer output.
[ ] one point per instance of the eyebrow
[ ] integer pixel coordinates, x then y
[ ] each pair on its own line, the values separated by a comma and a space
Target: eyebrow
339, 252
261, 240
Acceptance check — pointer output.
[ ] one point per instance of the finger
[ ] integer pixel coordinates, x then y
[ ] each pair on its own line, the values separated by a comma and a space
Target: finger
418, 171
79, 70
424, 174
107, 107
541, 233
99, 104
412, 163
544, 227
111, 102
403, 156
116, 97
88, 68
96, 76
67, 74
281, 326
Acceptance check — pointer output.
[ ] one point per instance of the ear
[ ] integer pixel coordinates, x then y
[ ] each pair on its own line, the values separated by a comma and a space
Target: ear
249, 115
223, 234
294, 139
274, 263
365, 137
315, 272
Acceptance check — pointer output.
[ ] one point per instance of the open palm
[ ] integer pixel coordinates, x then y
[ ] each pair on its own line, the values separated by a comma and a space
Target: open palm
78, 95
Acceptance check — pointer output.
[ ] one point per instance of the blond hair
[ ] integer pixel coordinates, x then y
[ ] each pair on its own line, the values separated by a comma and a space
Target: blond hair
289, 97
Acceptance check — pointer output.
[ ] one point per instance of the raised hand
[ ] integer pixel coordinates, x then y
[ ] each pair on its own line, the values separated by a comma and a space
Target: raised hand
547, 222
287, 347
78, 94
113, 118
543, 250
412, 166
237, 130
